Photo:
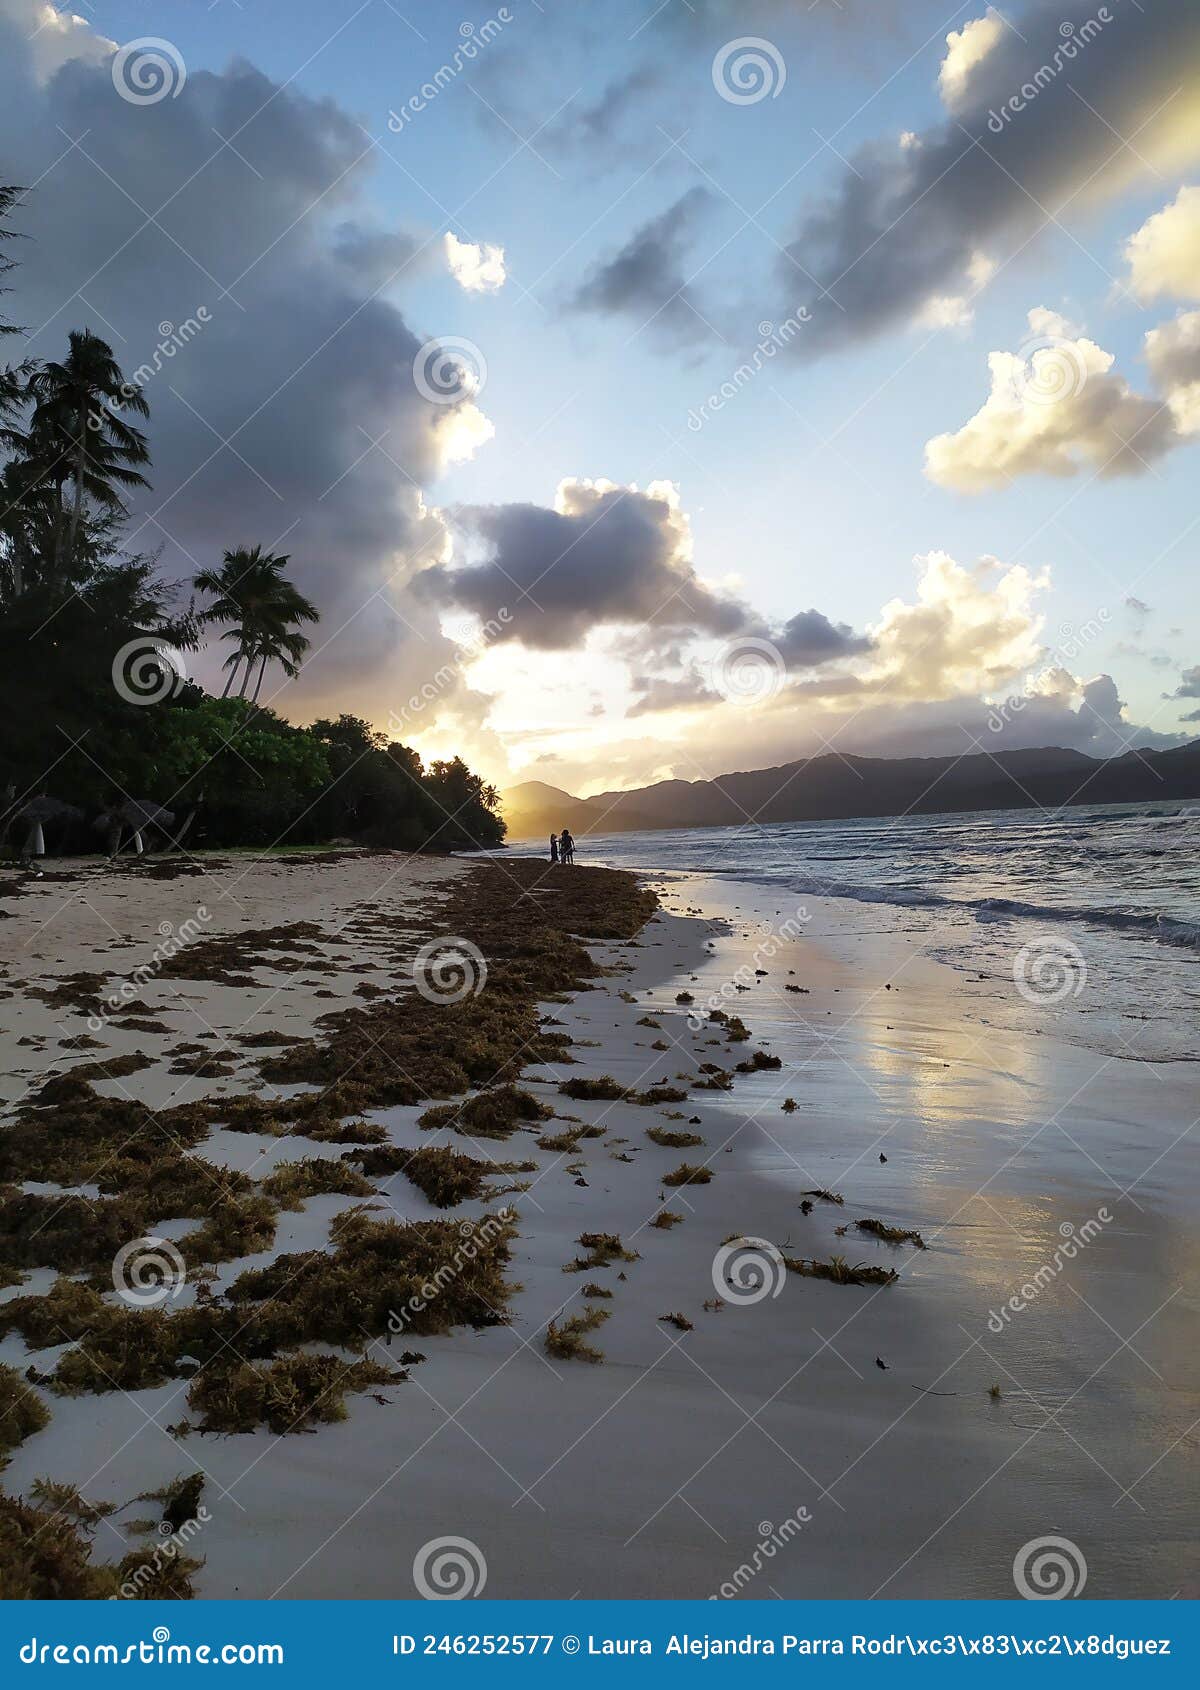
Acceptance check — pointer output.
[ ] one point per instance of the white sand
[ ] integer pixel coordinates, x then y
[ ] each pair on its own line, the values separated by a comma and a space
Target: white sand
658, 1472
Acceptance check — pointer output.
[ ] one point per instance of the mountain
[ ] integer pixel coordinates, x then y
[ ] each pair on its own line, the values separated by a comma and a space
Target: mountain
534, 810
823, 788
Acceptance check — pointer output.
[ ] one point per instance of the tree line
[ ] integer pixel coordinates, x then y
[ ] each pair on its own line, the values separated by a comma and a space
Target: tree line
96, 705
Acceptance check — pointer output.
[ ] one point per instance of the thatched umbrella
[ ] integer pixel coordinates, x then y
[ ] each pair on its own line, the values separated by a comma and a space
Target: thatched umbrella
34, 813
137, 814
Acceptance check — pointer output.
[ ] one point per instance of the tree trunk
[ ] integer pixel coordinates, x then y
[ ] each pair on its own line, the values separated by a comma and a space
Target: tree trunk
262, 669
232, 672
246, 677
80, 460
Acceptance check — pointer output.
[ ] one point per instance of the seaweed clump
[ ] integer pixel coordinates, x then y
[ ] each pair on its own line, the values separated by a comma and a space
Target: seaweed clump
294, 1393
566, 1340
687, 1173
891, 1234
603, 1089
22, 1412
839, 1271
671, 1140
489, 1114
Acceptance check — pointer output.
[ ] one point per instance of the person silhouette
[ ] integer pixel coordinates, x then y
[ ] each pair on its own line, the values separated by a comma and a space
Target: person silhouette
566, 846
553, 848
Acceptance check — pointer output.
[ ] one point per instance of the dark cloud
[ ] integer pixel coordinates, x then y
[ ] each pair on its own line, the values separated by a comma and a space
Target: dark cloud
596, 125
678, 694
604, 555
646, 279
810, 638
291, 364
903, 225
1189, 684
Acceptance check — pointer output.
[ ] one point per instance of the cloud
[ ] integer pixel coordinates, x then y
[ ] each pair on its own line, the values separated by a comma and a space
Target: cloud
1189, 685
476, 268
657, 694
1164, 254
969, 630
902, 226
645, 280
1173, 357
604, 555
966, 48
1056, 407
593, 127
291, 417
810, 638
55, 38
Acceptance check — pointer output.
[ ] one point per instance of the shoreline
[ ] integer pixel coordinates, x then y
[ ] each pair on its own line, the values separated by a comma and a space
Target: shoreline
651, 1473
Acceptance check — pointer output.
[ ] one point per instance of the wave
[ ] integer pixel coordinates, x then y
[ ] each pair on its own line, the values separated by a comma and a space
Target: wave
1168, 930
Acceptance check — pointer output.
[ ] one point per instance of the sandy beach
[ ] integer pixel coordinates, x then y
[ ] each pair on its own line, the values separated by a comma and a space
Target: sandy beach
787, 1436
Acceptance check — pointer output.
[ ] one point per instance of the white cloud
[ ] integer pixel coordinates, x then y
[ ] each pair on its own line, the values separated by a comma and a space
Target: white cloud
1055, 407
956, 310
965, 49
476, 268
56, 37
1173, 355
1164, 254
969, 630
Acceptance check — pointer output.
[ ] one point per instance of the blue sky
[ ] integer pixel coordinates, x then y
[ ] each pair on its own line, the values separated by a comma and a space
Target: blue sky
807, 489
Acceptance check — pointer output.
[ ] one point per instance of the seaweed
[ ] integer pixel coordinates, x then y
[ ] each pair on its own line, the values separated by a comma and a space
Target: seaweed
291, 1394
22, 1412
602, 1089
673, 1140
688, 1174
489, 1114
891, 1234
566, 1341
603, 1249
289, 1183
840, 1272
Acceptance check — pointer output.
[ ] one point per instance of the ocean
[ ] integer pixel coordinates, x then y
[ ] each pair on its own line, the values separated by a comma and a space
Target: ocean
1101, 904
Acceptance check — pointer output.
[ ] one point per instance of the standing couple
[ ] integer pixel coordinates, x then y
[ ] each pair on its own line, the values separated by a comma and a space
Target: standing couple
562, 849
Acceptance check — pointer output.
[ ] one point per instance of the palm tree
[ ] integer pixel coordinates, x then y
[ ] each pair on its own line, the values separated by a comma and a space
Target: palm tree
77, 431
263, 609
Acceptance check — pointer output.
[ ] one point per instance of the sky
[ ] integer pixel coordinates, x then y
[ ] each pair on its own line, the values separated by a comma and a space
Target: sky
653, 390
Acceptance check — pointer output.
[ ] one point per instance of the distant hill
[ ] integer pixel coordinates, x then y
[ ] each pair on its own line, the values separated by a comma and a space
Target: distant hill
826, 787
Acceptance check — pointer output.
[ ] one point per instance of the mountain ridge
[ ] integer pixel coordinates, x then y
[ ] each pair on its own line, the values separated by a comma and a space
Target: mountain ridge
831, 787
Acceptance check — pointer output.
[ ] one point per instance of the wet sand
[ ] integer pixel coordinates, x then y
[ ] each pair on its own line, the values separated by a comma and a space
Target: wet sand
763, 1452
